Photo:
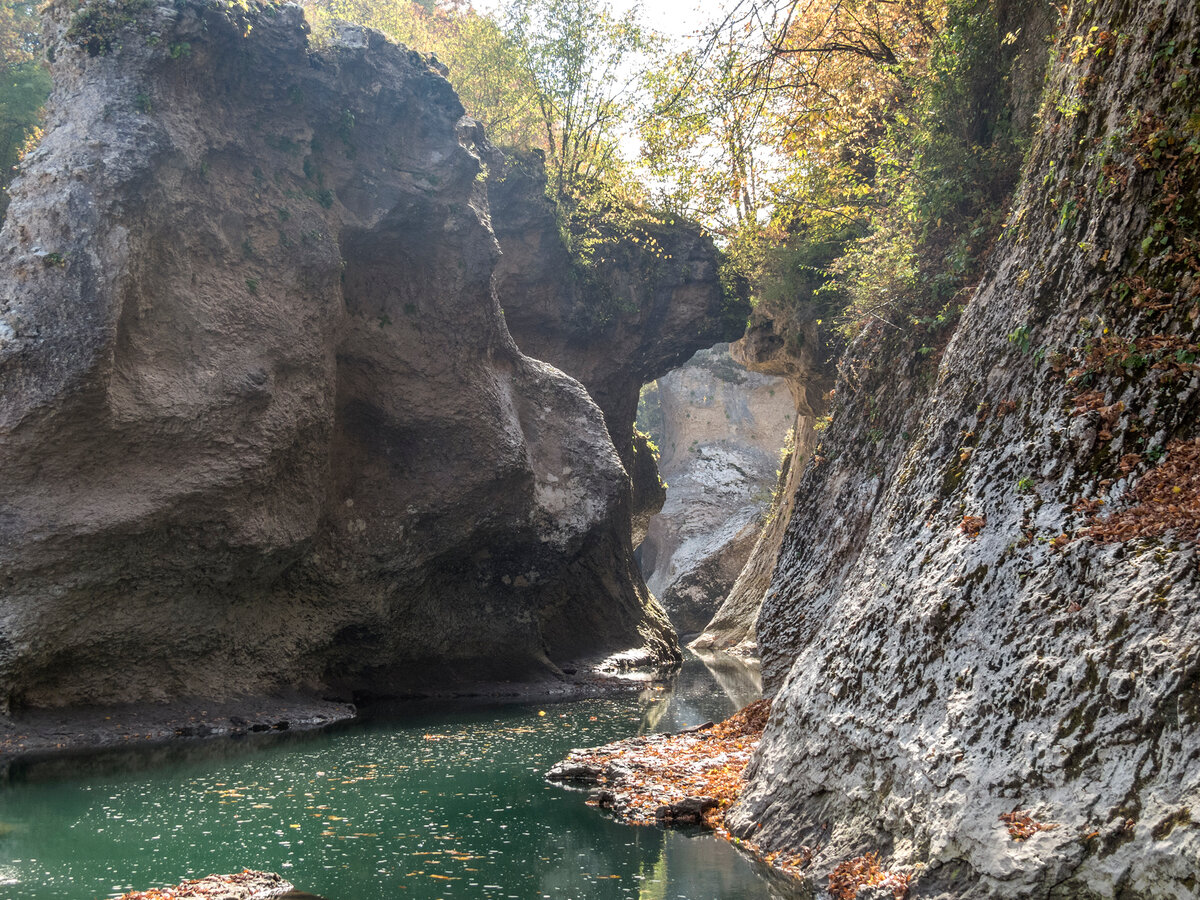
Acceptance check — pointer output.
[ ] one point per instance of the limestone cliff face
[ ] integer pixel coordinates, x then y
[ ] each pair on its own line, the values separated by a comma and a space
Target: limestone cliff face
988, 597
733, 626
721, 431
640, 311
790, 345
262, 423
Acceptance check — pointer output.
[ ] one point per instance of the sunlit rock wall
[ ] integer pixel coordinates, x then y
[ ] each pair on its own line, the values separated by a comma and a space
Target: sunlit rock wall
947, 641
721, 432
790, 345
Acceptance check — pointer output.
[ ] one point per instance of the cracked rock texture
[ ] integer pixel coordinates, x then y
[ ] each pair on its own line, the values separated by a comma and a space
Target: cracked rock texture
720, 436
944, 642
262, 424
641, 310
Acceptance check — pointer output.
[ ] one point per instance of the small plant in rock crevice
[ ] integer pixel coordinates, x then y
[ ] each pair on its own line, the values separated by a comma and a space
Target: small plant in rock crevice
96, 27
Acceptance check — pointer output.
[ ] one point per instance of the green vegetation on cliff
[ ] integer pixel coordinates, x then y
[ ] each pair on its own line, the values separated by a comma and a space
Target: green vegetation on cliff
870, 147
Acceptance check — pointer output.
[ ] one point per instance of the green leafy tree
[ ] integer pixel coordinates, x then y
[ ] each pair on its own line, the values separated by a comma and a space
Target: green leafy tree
586, 63
24, 86
486, 65
859, 149
707, 136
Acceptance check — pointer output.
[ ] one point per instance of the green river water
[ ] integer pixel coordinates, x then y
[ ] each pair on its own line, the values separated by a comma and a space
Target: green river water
429, 803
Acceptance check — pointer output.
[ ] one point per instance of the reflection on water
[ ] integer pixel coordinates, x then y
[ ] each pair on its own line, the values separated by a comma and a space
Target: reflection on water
739, 678
708, 688
432, 805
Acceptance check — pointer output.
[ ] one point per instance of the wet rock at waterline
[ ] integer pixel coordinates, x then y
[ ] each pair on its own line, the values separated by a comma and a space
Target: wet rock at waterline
262, 424
720, 430
652, 299
983, 632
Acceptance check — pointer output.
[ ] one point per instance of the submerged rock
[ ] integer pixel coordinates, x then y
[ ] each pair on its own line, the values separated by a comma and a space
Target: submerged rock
262, 424
967, 680
245, 885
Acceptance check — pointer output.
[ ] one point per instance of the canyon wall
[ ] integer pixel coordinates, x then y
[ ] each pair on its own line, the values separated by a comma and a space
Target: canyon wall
790, 344
982, 632
720, 435
651, 297
262, 423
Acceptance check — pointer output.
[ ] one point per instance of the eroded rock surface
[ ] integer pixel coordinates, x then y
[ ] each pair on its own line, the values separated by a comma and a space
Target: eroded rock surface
642, 309
954, 659
720, 436
733, 628
792, 346
262, 424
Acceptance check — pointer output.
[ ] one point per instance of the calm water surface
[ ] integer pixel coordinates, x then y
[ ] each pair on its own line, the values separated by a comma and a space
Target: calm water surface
443, 804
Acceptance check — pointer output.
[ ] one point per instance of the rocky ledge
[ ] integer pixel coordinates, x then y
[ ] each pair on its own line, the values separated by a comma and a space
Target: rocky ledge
687, 778
68, 730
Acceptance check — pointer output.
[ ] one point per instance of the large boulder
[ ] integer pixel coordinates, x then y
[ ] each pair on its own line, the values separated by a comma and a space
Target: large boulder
262, 423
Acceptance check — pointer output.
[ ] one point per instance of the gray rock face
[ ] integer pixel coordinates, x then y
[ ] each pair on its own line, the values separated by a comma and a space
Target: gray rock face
946, 644
722, 430
262, 423
640, 311
734, 626
794, 348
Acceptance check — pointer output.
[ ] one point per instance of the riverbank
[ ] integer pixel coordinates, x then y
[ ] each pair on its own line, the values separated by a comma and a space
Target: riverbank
49, 732
66, 731
691, 778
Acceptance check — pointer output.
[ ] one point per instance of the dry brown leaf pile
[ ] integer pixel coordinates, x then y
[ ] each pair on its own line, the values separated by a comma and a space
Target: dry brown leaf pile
1167, 498
865, 871
1022, 826
706, 763
639, 777
251, 882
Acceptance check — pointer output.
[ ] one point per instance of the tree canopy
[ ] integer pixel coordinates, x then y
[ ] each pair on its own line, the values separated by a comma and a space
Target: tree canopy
851, 154
24, 85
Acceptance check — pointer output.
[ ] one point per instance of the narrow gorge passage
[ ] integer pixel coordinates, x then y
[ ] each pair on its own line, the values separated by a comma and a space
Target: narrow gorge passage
724, 436
323, 336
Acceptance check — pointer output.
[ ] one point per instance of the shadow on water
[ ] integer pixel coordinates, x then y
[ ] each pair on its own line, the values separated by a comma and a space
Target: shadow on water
107, 761
438, 802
